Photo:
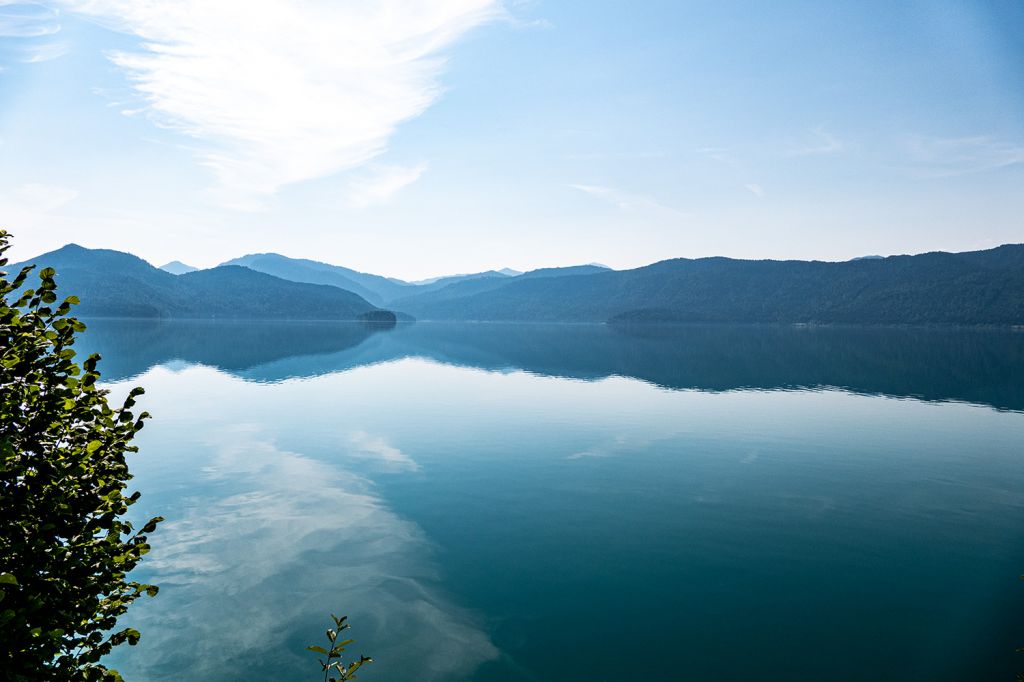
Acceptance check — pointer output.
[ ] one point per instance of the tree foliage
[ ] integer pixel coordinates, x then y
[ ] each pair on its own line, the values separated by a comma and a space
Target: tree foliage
65, 547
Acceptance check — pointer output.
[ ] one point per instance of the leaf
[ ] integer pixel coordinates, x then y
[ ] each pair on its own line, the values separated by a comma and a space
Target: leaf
93, 446
317, 649
8, 579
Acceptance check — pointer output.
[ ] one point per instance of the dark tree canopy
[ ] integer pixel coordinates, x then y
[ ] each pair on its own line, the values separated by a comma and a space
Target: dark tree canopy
65, 547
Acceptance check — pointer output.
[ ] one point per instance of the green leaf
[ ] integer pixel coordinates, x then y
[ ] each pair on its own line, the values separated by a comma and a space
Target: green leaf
8, 579
93, 446
317, 649
151, 526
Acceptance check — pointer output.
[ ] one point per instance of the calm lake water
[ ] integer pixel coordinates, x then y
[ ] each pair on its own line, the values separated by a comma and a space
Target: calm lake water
512, 502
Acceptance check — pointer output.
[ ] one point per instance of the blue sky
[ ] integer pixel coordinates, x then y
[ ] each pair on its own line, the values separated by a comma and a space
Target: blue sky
414, 138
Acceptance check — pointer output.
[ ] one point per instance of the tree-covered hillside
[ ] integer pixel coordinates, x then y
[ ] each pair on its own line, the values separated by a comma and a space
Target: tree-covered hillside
116, 284
983, 287
373, 288
454, 288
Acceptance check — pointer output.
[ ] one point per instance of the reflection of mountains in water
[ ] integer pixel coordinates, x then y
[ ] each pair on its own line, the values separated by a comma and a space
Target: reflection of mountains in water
970, 365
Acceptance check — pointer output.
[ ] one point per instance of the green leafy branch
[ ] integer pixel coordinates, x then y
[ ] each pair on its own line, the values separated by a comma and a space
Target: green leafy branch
334, 654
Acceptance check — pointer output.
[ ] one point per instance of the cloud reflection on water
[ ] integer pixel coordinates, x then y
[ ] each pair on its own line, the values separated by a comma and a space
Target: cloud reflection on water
268, 544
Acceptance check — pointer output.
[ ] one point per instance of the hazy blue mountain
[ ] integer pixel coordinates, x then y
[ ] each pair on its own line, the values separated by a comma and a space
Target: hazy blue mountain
386, 290
440, 282
374, 288
115, 284
176, 267
565, 271
455, 288
982, 287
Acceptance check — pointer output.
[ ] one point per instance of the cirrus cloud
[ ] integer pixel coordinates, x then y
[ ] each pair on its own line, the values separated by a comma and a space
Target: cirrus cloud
381, 183
285, 91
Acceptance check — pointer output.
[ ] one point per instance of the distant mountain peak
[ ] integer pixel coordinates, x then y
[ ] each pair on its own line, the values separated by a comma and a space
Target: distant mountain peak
509, 272
176, 267
374, 288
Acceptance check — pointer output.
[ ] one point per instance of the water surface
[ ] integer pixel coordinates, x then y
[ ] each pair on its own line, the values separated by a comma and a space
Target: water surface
559, 502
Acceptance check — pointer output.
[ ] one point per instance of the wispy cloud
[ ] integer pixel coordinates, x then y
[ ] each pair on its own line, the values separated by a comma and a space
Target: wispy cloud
28, 31
27, 20
614, 156
939, 157
625, 201
32, 209
755, 189
37, 197
380, 183
45, 51
719, 154
617, 446
820, 143
280, 92
374, 447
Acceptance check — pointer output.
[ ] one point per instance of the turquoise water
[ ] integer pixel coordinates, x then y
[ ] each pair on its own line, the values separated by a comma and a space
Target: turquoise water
509, 502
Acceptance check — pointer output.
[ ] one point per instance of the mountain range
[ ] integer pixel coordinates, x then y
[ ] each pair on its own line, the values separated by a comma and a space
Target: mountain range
979, 287
115, 284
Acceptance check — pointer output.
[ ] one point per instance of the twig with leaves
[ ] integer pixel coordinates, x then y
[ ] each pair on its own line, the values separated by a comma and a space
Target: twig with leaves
334, 662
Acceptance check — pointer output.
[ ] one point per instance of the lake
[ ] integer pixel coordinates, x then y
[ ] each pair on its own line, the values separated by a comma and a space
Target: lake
559, 502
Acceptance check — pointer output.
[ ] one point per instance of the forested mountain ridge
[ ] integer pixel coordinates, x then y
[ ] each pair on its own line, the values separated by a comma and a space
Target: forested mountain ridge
424, 297
116, 284
373, 288
386, 290
981, 287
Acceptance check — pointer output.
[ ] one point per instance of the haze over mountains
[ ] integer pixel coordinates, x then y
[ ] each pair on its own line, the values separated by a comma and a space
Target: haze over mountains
374, 288
980, 287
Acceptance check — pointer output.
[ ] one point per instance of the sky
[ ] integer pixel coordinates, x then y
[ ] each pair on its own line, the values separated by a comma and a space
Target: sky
414, 138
